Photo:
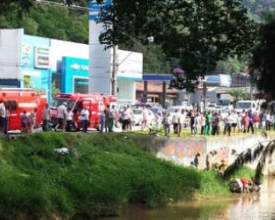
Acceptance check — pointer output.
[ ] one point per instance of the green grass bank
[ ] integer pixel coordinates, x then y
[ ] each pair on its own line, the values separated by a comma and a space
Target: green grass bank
100, 176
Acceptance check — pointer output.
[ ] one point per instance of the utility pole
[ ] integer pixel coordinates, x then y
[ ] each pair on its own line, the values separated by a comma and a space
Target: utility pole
204, 94
114, 72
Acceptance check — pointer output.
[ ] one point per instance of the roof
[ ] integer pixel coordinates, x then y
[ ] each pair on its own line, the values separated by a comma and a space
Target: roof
154, 87
157, 77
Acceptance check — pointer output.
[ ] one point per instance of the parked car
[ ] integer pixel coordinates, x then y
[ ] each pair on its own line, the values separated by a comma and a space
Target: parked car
141, 105
137, 117
174, 109
158, 109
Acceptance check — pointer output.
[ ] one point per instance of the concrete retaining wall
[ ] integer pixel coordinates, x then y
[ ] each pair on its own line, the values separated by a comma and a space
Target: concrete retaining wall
183, 150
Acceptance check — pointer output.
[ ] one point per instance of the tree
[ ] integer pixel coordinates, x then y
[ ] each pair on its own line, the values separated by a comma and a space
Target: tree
199, 33
232, 65
238, 94
263, 66
21, 6
55, 89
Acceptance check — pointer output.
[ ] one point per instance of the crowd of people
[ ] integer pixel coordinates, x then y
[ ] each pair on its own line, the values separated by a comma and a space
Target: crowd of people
66, 119
199, 123
215, 123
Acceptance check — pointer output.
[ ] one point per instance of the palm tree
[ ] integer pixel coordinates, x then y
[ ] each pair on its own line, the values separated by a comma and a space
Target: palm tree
238, 94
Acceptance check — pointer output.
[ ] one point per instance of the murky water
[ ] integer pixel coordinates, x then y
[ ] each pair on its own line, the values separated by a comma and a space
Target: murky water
243, 207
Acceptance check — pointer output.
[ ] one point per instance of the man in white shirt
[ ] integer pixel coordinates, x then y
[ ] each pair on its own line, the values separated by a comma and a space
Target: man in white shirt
61, 116
228, 123
46, 118
85, 119
69, 119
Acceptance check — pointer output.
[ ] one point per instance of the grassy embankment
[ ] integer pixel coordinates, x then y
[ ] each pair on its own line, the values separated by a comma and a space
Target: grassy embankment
100, 175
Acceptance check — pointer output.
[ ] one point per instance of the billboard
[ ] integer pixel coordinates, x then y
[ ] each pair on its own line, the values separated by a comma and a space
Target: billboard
222, 80
129, 65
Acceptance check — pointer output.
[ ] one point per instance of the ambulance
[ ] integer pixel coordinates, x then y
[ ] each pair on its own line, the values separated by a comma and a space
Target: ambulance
18, 100
95, 103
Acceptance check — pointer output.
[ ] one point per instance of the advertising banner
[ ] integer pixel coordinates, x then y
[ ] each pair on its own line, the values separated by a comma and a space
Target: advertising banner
41, 57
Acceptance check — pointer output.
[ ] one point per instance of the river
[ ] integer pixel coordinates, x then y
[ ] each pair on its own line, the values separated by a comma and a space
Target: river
244, 207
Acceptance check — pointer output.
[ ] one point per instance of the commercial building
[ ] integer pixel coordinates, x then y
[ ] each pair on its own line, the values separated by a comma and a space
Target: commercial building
44, 63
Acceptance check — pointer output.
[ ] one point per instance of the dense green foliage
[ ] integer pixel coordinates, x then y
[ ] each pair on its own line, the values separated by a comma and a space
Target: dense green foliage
101, 175
263, 58
198, 33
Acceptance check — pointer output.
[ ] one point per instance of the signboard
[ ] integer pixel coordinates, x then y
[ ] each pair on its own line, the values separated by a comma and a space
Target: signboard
41, 57
95, 8
223, 80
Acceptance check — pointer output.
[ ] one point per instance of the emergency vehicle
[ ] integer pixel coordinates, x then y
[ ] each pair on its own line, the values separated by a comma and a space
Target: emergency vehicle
95, 103
18, 100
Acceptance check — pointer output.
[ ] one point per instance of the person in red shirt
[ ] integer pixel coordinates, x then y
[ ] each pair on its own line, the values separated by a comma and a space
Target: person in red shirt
245, 122
246, 184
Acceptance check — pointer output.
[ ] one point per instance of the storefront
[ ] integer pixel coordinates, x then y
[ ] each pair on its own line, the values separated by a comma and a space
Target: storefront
43, 63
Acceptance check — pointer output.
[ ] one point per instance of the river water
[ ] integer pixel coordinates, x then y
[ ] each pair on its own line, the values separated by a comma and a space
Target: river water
244, 207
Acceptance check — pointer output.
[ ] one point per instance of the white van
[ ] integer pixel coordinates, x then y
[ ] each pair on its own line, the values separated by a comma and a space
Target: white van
247, 105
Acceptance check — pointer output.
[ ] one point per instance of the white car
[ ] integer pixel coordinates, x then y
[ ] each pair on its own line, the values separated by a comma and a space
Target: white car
137, 117
174, 109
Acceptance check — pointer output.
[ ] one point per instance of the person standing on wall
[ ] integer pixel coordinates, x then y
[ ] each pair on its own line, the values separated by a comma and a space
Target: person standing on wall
2, 116
85, 119
46, 118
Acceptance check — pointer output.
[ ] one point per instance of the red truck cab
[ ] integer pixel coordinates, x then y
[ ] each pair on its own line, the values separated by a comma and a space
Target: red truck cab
18, 100
95, 103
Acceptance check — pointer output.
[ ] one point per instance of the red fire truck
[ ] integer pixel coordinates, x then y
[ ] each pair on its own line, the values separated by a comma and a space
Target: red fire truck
18, 100
95, 103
